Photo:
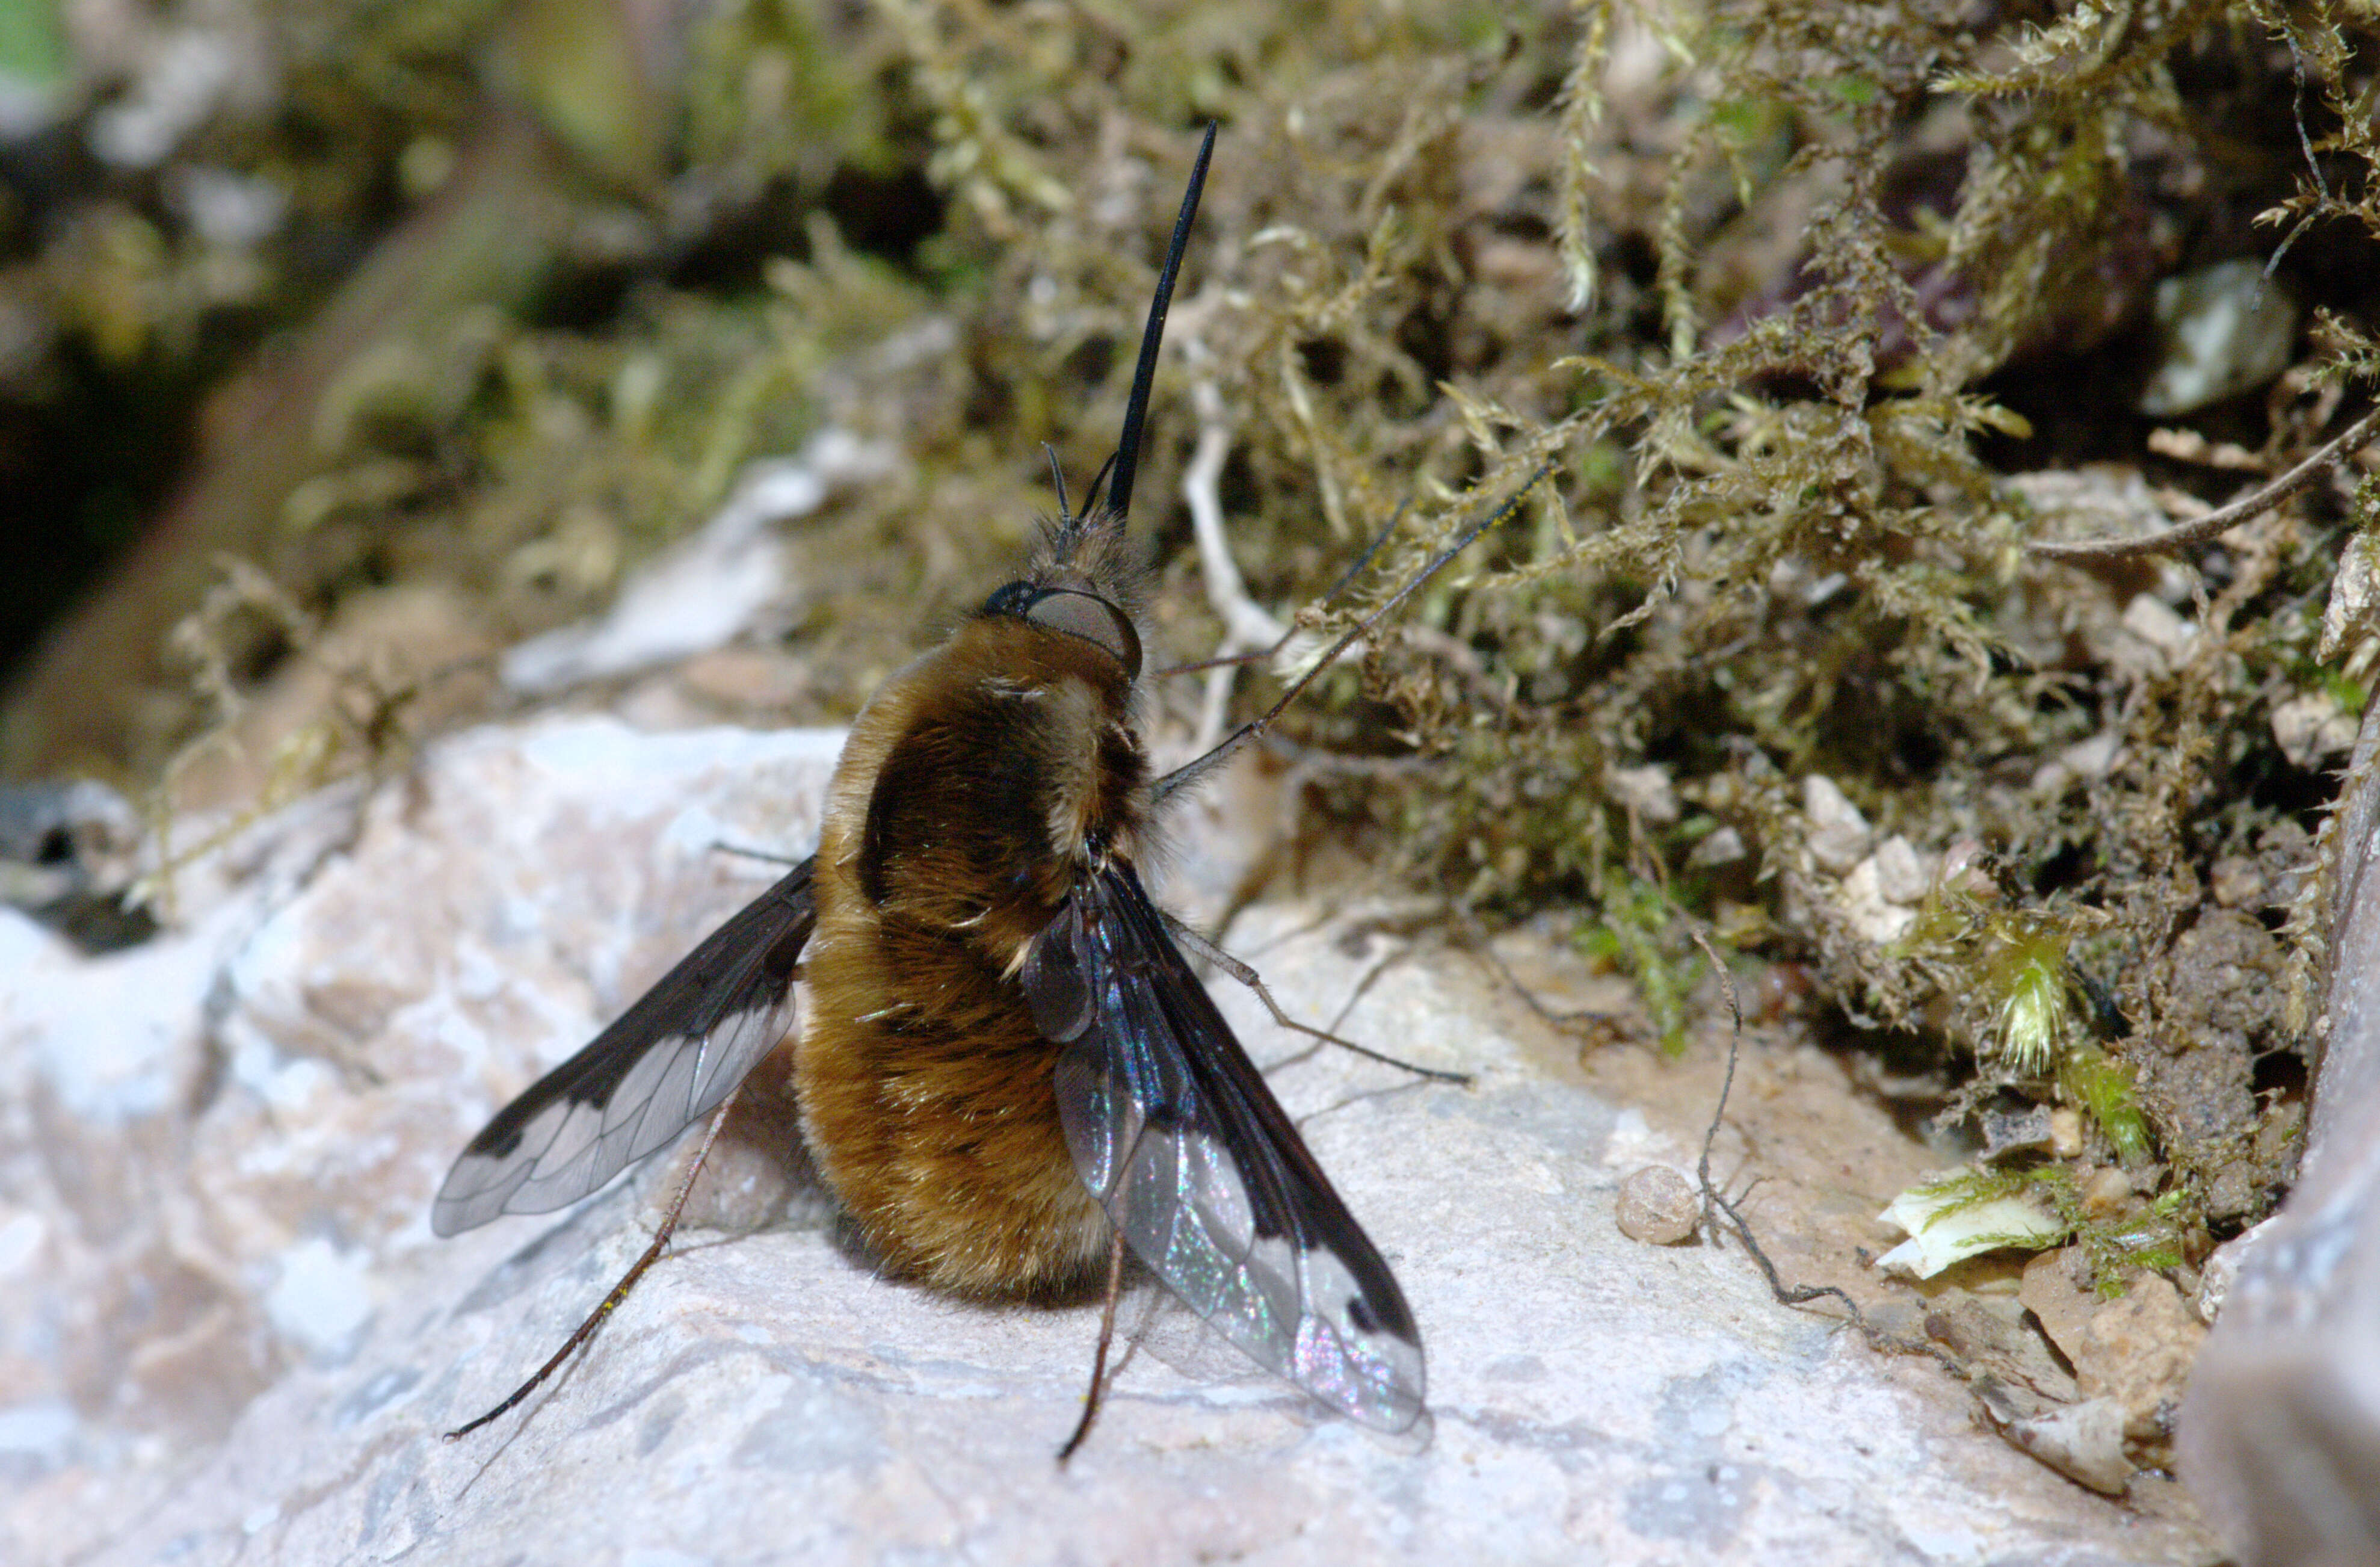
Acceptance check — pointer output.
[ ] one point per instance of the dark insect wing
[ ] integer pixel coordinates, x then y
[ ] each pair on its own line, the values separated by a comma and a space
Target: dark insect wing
1174, 1132
667, 1062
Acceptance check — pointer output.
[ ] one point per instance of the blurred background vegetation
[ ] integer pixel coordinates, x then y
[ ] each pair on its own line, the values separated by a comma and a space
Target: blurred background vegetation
345, 342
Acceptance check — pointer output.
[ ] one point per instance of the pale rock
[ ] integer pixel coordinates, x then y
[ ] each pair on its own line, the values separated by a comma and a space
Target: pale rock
2234, 881
2086, 760
2311, 728
2082, 1442
1839, 834
2105, 1190
2351, 621
1877, 918
767, 1397
2222, 330
2009, 1133
1657, 1206
2149, 618
1724, 847
1644, 792
711, 587
1900, 873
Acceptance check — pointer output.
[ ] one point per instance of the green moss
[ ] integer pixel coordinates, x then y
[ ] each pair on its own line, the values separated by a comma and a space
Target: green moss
1640, 935
2103, 1086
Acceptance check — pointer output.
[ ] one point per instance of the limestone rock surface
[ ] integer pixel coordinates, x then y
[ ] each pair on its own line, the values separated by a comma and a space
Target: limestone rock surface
230, 1336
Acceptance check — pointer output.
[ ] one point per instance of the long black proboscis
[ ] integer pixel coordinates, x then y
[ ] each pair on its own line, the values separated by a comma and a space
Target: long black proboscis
1135, 409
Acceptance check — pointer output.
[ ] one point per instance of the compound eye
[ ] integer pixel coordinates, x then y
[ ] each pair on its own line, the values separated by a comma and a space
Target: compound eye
1093, 619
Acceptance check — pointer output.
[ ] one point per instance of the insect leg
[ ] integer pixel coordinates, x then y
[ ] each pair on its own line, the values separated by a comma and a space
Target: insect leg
1190, 773
1208, 951
1266, 655
1107, 1336
627, 1281
721, 847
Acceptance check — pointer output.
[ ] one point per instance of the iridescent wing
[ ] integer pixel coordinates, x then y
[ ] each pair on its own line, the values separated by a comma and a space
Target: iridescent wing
666, 1063
1172, 1129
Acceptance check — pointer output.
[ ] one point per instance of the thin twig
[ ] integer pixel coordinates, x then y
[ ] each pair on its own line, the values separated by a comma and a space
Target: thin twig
1483, 948
2201, 531
1246, 624
1787, 1294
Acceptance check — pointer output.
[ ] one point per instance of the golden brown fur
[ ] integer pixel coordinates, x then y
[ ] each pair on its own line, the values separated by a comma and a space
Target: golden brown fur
975, 787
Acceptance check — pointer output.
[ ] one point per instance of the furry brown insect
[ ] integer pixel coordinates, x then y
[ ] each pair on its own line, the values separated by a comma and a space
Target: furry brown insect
975, 789
1009, 1072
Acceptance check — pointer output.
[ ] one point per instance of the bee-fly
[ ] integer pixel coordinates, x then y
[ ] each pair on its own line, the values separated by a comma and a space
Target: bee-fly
1008, 1073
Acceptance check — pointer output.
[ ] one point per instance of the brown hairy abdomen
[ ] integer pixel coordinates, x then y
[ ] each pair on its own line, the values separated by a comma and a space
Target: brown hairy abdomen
942, 1139
925, 1091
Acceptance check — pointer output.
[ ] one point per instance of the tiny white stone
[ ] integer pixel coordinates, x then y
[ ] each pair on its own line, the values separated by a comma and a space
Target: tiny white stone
1839, 834
20, 1241
2148, 618
1900, 873
2223, 329
1878, 919
2352, 617
1722, 847
2311, 728
1646, 791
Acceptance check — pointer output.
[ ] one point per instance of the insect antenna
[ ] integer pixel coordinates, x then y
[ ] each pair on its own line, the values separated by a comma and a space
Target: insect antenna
1126, 460
1192, 772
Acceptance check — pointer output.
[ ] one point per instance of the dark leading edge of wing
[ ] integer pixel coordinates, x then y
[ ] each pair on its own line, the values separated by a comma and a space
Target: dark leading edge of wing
666, 1063
1173, 1130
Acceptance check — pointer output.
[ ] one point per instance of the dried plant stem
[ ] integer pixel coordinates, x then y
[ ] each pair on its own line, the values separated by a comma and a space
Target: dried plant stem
2201, 531
1785, 1294
1246, 625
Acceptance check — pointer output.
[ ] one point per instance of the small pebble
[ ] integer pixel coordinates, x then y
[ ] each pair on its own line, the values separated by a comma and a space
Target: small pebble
1646, 791
1839, 834
1722, 847
2105, 1190
2221, 330
1900, 873
2014, 1131
1658, 1206
2235, 882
